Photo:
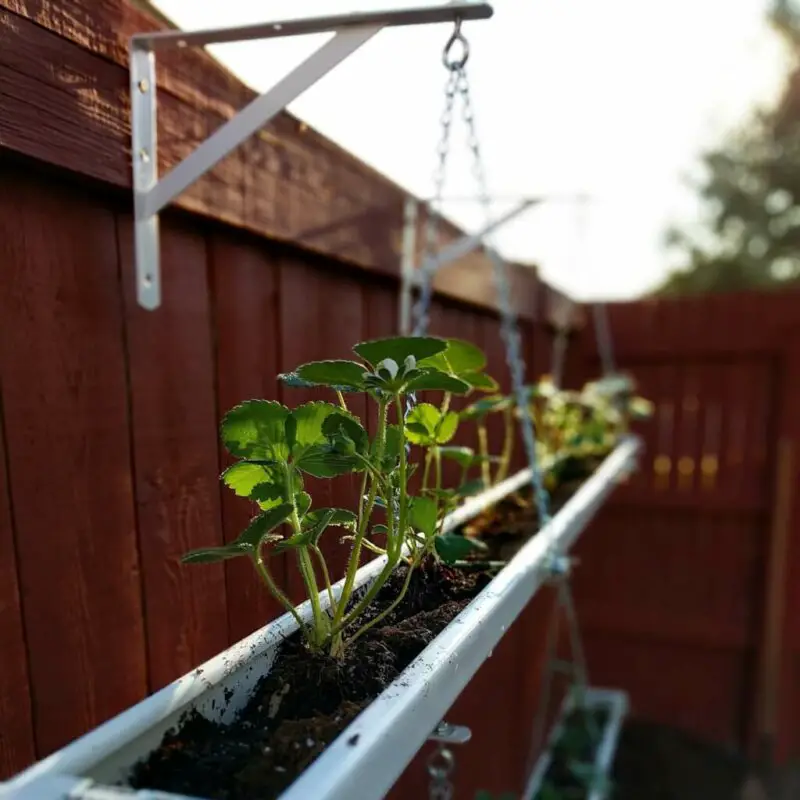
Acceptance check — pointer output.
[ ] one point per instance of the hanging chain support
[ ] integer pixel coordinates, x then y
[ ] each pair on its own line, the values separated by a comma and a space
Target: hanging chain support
442, 762
151, 194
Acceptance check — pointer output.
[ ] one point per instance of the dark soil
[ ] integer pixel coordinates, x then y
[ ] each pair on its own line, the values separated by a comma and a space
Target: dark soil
577, 745
505, 528
307, 699
660, 763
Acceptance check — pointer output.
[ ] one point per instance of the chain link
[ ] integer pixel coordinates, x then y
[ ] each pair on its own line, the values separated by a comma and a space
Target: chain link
509, 329
440, 766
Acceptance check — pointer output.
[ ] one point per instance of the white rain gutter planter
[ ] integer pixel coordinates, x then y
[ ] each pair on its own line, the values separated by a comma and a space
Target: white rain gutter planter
388, 732
616, 701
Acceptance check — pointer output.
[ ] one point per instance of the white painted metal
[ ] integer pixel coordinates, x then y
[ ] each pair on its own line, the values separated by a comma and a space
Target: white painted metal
617, 703
470, 242
418, 15
389, 731
151, 194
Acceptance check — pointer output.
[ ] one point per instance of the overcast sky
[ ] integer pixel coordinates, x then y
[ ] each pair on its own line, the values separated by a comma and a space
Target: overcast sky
615, 99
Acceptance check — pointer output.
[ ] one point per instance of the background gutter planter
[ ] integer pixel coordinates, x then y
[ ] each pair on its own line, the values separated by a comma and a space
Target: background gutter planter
366, 759
617, 704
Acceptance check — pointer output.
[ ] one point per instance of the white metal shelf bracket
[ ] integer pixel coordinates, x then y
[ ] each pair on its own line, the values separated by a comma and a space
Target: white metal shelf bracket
152, 194
461, 247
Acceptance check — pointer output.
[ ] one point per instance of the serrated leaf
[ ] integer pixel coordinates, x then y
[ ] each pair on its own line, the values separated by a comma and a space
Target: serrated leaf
399, 348
247, 542
451, 547
464, 456
303, 502
335, 374
320, 519
446, 428
486, 405
304, 429
435, 381
342, 425
244, 476
426, 426
212, 555
458, 357
422, 516
322, 461
480, 381
255, 429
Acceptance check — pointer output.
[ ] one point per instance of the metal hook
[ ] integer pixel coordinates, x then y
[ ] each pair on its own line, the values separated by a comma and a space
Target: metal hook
452, 63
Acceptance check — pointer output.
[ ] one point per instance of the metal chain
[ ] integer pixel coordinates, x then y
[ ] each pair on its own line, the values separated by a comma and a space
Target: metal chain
509, 330
440, 767
421, 309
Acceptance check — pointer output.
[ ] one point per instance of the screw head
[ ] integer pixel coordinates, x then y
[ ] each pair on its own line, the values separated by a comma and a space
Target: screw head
144, 85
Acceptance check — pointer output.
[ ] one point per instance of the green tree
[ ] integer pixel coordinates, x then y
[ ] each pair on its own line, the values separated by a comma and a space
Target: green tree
752, 194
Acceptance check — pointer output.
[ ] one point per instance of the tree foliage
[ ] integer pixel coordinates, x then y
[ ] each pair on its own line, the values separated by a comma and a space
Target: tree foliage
752, 195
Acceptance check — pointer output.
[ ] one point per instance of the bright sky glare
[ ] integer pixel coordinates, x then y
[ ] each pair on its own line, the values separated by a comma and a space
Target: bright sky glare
615, 100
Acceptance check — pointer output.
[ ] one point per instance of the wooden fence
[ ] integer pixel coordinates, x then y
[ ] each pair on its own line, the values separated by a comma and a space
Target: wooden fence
287, 251
690, 584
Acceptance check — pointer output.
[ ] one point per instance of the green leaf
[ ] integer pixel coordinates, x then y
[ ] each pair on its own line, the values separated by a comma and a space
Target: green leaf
322, 518
303, 502
446, 429
435, 381
423, 515
465, 457
344, 427
244, 476
212, 555
256, 430
336, 374
451, 547
458, 357
304, 426
391, 449
399, 348
426, 426
380, 529
486, 405
480, 381
247, 542
322, 461
421, 423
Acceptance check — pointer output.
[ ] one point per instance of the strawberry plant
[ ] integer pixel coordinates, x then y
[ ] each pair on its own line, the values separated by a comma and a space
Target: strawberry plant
277, 447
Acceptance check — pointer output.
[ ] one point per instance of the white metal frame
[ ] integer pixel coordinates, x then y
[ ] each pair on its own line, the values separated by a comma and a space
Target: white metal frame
617, 702
464, 245
152, 194
390, 730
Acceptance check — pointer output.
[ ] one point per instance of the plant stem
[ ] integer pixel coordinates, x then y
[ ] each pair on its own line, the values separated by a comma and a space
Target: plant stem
326, 576
363, 521
305, 566
402, 593
483, 450
397, 548
426, 470
341, 400
261, 568
394, 549
508, 446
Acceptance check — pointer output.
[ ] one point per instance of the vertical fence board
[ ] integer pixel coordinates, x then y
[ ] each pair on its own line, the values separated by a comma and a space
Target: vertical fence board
322, 317
17, 747
64, 405
174, 423
247, 322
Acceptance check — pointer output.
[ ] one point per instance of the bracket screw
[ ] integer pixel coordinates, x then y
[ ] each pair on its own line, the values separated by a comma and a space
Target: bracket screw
143, 85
